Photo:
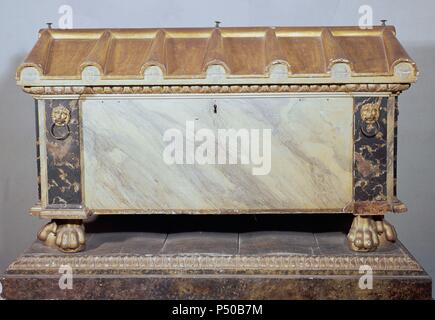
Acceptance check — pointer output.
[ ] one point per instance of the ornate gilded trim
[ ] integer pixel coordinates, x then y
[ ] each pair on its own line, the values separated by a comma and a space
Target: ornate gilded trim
167, 89
232, 263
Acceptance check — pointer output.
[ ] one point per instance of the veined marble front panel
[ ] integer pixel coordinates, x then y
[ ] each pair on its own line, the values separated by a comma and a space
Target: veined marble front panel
311, 154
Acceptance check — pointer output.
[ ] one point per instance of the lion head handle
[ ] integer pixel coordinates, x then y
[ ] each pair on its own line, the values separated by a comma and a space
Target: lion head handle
60, 115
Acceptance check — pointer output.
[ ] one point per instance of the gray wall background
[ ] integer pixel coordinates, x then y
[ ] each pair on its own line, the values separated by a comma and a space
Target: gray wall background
415, 24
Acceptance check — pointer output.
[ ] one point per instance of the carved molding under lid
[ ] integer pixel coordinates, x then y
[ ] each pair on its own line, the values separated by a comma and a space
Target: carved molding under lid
69, 90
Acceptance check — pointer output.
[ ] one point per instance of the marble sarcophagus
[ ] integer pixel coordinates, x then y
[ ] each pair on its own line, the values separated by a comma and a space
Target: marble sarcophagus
217, 121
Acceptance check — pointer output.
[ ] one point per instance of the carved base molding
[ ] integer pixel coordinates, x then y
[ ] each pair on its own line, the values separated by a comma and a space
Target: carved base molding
227, 264
165, 89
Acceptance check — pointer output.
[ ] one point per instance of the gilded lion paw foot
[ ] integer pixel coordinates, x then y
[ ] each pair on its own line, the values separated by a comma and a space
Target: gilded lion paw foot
363, 234
386, 230
67, 237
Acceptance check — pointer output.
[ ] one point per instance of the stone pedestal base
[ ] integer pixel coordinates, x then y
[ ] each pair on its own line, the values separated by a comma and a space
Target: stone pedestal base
216, 265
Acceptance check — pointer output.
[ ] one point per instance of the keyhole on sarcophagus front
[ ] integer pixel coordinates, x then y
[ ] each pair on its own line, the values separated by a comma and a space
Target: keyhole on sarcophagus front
215, 108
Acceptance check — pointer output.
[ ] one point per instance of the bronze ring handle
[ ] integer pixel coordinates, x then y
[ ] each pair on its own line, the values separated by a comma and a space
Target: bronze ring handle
371, 133
62, 136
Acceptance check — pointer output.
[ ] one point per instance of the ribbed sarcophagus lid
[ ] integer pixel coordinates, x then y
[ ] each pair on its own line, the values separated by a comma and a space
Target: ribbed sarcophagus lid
299, 55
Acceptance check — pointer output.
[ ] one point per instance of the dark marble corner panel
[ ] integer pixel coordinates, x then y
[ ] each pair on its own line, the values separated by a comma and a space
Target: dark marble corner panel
63, 158
370, 152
